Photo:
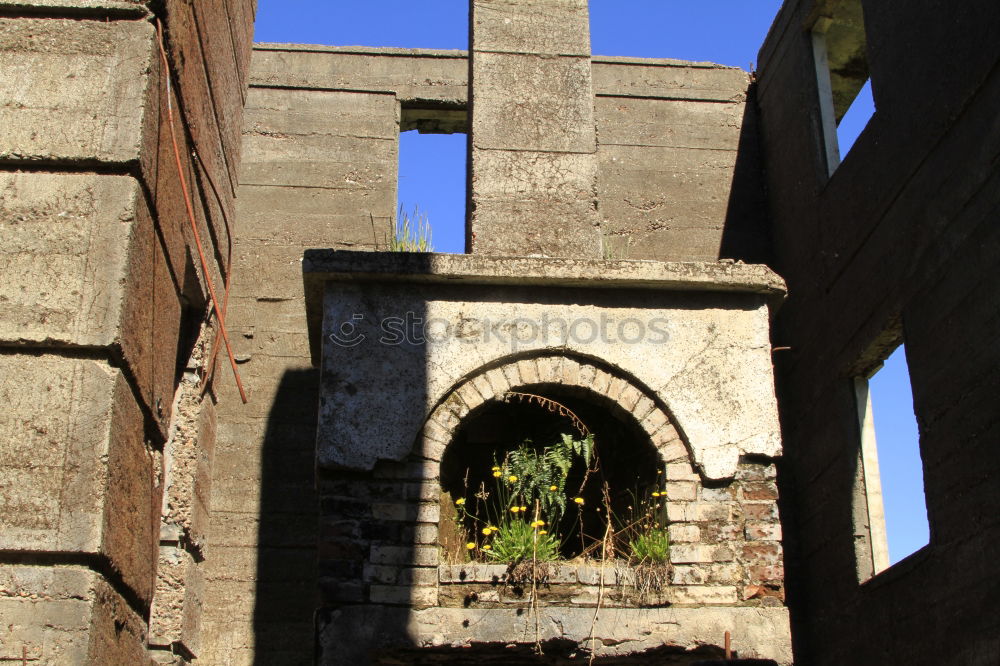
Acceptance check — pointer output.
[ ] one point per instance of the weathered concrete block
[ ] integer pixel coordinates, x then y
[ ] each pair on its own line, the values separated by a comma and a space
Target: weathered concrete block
684, 533
668, 79
347, 634
65, 256
225, 90
402, 595
188, 453
200, 510
760, 490
530, 109
528, 102
79, 477
412, 74
136, 7
730, 573
688, 575
73, 90
683, 491
761, 511
472, 572
763, 531
549, 27
525, 228
67, 615
175, 618
713, 511
671, 123
673, 449
681, 471
703, 595
518, 176
425, 556
83, 267
699, 553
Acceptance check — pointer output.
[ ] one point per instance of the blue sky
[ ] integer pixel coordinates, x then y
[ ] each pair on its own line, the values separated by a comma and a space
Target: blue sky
899, 457
432, 167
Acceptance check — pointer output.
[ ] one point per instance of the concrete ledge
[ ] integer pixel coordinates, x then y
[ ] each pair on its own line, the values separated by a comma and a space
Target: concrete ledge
355, 634
126, 8
66, 615
320, 266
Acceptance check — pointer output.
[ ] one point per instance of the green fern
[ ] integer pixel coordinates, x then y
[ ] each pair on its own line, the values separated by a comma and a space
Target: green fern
541, 474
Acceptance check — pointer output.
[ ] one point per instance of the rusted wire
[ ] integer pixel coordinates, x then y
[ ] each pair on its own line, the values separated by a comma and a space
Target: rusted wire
219, 313
210, 370
551, 405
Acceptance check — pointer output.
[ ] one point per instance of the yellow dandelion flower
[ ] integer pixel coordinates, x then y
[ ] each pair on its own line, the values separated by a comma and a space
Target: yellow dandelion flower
496, 468
553, 487
487, 531
656, 494
494, 529
524, 508
515, 509
470, 545
542, 532
497, 474
487, 547
578, 500
512, 478
460, 501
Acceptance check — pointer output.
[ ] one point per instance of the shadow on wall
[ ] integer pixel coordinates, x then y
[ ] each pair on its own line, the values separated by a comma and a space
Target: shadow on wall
286, 585
376, 537
745, 232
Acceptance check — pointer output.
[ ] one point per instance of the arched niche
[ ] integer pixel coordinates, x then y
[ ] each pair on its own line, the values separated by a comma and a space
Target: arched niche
500, 407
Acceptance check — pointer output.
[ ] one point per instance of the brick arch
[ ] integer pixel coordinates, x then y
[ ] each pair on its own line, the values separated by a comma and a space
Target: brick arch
626, 396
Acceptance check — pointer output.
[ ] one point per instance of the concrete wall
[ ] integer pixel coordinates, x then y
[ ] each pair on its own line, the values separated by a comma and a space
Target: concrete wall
318, 168
99, 302
678, 176
532, 147
897, 244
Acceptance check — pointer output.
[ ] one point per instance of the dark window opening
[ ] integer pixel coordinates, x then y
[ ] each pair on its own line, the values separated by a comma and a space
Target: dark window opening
625, 462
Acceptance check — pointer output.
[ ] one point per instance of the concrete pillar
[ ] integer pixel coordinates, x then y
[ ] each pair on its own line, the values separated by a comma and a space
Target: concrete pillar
533, 143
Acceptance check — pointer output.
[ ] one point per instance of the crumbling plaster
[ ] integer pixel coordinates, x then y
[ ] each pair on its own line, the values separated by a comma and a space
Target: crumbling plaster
706, 356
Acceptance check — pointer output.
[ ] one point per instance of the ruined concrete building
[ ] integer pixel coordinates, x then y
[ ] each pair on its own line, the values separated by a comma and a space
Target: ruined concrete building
667, 263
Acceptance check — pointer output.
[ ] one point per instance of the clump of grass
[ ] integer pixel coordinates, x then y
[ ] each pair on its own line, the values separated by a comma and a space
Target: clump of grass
517, 540
651, 546
413, 233
614, 247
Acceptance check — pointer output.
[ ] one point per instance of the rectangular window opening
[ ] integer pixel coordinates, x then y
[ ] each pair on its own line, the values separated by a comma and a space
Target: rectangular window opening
845, 96
891, 511
433, 147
